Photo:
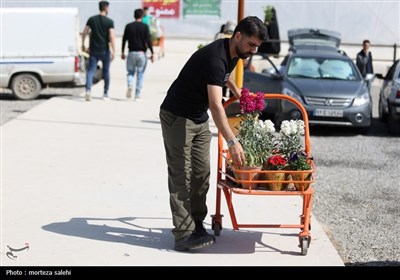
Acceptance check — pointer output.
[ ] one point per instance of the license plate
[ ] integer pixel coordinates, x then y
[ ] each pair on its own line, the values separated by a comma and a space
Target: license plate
397, 109
328, 113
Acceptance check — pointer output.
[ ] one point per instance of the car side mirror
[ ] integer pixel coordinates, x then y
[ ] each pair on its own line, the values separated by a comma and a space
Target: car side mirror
379, 76
277, 76
369, 77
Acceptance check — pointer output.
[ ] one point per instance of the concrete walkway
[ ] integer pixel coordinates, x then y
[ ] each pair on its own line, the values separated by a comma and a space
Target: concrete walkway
85, 184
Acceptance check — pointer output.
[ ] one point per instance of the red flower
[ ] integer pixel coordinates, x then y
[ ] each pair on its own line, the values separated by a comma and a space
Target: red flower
277, 161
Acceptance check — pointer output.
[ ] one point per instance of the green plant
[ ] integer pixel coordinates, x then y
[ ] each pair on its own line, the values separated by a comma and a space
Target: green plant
268, 14
255, 136
298, 161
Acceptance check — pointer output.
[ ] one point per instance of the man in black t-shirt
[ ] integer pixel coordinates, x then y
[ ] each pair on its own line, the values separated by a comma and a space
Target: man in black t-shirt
185, 128
102, 36
138, 36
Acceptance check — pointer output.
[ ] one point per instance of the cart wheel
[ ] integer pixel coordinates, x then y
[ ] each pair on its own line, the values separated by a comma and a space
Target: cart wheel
217, 228
304, 244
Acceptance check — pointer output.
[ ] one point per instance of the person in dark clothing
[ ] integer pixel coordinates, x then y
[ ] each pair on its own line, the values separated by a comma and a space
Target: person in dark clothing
185, 127
102, 36
139, 40
273, 47
364, 60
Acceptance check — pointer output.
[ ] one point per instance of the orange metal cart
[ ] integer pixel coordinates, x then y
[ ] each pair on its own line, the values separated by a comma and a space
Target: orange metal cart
229, 185
160, 43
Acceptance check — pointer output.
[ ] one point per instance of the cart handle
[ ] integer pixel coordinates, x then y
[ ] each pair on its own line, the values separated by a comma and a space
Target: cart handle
293, 100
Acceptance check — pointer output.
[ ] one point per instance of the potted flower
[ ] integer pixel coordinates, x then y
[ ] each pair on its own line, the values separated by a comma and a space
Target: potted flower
291, 145
298, 162
290, 137
255, 136
275, 162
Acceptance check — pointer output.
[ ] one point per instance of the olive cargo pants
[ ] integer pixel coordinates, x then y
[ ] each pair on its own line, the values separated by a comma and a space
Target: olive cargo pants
187, 148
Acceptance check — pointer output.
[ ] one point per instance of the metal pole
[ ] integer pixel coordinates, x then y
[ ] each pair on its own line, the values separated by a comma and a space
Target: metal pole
239, 66
394, 52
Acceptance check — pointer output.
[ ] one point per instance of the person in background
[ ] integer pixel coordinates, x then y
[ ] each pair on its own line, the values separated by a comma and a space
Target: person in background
146, 17
102, 37
364, 62
364, 59
220, 33
226, 30
185, 127
137, 35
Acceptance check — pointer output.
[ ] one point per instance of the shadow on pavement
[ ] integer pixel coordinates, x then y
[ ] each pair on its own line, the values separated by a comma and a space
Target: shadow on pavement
129, 232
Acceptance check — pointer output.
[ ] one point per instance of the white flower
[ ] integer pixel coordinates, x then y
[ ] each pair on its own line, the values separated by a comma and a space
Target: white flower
290, 137
269, 126
292, 127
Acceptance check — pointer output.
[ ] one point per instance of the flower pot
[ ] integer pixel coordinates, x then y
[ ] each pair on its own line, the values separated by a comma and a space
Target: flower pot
252, 174
279, 177
303, 177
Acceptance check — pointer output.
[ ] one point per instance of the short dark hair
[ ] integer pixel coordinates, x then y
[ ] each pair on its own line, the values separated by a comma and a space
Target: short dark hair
138, 13
145, 8
366, 41
252, 26
103, 5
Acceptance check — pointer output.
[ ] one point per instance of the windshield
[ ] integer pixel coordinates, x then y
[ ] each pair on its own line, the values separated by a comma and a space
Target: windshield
322, 68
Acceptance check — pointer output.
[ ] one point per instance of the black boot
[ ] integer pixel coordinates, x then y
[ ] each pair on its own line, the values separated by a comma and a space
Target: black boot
201, 231
193, 241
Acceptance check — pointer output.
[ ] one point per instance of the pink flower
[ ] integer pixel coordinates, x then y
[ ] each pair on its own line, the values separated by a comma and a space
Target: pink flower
250, 103
259, 101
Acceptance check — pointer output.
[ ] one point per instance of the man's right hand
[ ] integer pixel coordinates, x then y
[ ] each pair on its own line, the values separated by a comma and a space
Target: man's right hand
237, 155
123, 56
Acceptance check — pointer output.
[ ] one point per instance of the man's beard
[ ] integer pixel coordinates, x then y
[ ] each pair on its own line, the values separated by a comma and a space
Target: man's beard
242, 55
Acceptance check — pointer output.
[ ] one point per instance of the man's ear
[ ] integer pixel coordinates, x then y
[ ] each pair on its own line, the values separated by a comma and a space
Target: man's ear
238, 35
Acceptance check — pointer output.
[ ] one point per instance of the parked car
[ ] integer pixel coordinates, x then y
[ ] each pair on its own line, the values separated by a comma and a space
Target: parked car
322, 77
389, 98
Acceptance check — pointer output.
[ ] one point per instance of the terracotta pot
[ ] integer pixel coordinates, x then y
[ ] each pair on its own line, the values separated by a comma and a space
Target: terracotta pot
276, 176
304, 177
253, 174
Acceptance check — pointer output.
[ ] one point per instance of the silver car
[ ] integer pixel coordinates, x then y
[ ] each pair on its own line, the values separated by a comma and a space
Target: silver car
389, 98
323, 78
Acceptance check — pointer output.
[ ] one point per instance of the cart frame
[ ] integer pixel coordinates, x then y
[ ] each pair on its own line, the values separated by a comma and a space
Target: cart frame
224, 179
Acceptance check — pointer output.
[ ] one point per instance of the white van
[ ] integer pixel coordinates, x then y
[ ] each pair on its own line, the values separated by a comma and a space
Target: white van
40, 47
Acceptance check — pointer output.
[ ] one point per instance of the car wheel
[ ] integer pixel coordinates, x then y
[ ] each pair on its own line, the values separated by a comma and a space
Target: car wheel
26, 86
394, 125
98, 74
382, 115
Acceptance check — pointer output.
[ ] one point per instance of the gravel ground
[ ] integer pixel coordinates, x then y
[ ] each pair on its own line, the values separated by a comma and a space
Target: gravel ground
357, 187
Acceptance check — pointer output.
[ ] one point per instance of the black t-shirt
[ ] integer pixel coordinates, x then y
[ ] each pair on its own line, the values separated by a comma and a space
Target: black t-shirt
188, 96
99, 38
138, 36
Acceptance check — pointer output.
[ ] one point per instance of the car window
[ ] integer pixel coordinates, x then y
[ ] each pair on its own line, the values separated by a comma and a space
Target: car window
303, 67
321, 68
337, 69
